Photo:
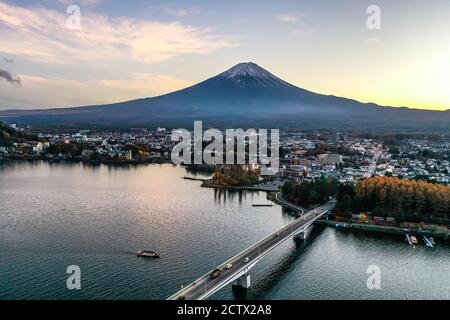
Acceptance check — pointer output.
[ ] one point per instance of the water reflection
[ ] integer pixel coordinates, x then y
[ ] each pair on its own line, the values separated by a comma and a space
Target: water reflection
98, 216
289, 259
222, 195
192, 171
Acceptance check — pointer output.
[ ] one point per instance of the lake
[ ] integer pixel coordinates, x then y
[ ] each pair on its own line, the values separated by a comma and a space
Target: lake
96, 217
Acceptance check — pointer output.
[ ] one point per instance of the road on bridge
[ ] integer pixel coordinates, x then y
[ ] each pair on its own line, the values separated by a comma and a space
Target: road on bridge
201, 287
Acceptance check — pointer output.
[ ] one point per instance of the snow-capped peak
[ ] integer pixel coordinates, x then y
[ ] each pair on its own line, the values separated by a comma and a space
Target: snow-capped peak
250, 70
245, 69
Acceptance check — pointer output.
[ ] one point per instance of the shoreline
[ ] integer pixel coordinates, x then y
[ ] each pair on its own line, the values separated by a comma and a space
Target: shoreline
350, 225
87, 161
207, 184
380, 229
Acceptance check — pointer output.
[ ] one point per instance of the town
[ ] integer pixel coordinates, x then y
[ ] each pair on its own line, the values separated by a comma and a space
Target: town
304, 156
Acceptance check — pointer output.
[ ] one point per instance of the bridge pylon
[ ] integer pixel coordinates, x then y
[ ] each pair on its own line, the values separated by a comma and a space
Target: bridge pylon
243, 281
301, 235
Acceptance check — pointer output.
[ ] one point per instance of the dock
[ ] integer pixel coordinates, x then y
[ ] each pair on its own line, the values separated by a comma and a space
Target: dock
195, 179
428, 242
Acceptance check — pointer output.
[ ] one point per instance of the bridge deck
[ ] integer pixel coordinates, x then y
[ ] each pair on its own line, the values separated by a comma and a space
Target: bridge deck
206, 286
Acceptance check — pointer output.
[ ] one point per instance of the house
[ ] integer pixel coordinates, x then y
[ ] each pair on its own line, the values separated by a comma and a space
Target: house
121, 154
87, 153
37, 146
300, 162
329, 158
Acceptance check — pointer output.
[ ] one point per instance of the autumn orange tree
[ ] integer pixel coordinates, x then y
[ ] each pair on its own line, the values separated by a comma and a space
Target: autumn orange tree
399, 198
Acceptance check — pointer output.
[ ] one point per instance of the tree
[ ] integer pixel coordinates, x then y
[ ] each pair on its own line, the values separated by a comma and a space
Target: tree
402, 199
288, 188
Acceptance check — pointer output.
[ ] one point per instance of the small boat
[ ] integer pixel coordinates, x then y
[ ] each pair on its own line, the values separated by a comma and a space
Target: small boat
408, 238
147, 254
413, 240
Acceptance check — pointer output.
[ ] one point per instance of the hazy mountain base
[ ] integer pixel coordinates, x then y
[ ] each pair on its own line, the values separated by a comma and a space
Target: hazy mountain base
287, 123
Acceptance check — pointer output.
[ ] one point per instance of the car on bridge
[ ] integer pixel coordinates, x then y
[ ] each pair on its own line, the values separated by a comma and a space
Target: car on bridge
229, 266
247, 259
215, 273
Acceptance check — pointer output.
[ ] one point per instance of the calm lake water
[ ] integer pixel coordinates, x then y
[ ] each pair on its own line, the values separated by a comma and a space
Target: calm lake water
96, 217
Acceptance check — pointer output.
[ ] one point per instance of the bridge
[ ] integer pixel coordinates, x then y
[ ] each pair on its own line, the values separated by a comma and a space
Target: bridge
236, 270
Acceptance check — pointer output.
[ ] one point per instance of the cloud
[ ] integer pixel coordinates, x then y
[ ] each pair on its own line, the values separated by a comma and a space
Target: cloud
9, 77
182, 12
38, 91
101, 63
80, 2
41, 80
41, 35
289, 18
299, 22
146, 85
176, 10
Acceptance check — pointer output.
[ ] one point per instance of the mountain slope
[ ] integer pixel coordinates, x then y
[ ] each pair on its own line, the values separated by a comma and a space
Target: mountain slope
244, 95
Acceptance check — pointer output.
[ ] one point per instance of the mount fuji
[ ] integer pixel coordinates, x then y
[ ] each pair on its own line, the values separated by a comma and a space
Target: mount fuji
245, 95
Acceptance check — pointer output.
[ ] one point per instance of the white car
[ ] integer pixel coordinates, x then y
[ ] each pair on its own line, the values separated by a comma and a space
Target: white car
246, 260
228, 266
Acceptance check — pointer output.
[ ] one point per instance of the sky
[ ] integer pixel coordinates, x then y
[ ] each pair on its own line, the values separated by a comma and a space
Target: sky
123, 50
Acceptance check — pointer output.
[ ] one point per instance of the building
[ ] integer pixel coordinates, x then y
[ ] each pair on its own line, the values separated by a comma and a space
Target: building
37, 146
329, 158
300, 162
87, 153
121, 154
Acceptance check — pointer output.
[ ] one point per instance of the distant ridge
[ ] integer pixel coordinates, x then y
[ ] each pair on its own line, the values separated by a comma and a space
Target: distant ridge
245, 95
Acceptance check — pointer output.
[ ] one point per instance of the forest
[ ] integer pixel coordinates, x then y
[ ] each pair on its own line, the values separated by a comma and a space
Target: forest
310, 193
402, 199
9, 136
234, 175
